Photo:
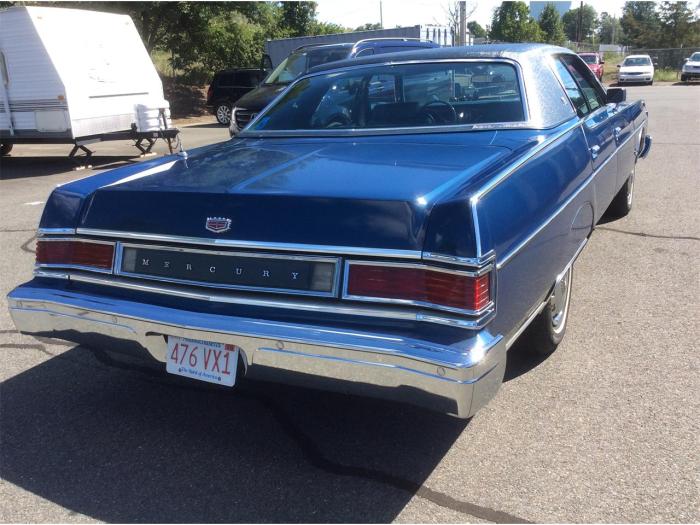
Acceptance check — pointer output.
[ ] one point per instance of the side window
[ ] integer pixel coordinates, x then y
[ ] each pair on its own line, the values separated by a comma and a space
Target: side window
594, 99
226, 80
572, 90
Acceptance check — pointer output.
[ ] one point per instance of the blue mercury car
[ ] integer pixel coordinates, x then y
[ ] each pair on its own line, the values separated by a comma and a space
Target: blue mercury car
389, 226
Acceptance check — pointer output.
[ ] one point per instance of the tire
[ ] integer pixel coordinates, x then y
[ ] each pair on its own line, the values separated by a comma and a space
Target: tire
621, 205
547, 329
684, 78
223, 114
5, 149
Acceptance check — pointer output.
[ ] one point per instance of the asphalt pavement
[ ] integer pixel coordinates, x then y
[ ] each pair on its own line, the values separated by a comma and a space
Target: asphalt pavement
604, 430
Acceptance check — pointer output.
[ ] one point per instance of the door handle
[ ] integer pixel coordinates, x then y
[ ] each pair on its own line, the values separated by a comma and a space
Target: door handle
595, 151
617, 132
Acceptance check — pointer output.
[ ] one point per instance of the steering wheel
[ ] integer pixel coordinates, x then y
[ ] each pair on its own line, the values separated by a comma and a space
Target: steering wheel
431, 111
338, 120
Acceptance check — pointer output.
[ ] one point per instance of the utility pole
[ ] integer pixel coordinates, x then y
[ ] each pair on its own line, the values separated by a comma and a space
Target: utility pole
381, 15
579, 29
463, 23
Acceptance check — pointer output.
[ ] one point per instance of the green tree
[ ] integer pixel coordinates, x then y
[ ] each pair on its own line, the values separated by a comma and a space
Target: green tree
476, 30
298, 17
368, 27
551, 25
609, 29
678, 25
641, 24
326, 28
589, 23
512, 23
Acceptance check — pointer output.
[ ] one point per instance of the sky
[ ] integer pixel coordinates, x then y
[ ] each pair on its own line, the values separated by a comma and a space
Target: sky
354, 13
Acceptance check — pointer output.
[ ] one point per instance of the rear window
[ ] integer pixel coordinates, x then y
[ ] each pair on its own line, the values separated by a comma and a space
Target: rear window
400, 96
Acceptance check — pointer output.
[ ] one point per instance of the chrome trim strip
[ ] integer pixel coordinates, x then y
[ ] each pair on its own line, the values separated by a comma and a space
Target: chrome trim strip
524, 326
277, 302
463, 311
525, 124
470, 262
335, 261
272, 246
51, 274
513, 251
78, 266
55, 231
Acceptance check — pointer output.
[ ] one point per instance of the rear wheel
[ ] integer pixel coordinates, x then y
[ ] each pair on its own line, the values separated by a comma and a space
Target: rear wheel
548, 328
5, 149
223, 114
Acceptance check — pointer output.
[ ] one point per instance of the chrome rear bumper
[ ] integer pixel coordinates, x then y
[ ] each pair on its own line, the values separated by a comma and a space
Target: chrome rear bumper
459, 378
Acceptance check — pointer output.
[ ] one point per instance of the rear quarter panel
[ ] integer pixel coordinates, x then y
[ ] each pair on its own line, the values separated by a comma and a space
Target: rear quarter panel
535, 221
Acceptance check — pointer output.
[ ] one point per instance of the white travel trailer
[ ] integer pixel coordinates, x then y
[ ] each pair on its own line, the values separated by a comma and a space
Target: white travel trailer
77, 77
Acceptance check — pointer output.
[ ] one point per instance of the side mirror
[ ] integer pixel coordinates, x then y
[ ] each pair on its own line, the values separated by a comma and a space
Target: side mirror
619, 65
656, 64
602, 61
685, 60
615, 95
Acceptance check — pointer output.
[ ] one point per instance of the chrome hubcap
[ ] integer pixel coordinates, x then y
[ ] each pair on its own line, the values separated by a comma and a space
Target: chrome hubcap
223, 113
559, 302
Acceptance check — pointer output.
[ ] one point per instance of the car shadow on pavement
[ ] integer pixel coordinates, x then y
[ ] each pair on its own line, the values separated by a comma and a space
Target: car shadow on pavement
21, 167
116, 439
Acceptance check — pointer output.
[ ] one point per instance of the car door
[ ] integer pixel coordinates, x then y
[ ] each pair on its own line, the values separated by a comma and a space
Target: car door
602, 125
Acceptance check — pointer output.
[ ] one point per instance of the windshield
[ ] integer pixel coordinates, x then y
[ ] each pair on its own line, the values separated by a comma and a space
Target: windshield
300, 62
589, 59
399, 96
637, 61
695, 57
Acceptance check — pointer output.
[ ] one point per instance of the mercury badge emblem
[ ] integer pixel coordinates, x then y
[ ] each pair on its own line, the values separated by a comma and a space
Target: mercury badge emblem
218, 224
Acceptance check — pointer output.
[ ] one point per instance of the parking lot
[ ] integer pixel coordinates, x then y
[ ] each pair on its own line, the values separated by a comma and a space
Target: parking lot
604, 430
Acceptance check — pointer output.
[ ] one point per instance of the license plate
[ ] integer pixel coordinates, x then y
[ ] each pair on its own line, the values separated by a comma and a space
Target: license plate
202, 360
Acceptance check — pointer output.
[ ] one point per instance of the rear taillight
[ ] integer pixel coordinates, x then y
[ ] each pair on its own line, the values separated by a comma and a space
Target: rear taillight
426, 286
75, 253
210, 91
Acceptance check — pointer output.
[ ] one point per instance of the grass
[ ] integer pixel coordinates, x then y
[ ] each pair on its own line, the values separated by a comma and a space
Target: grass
666, 75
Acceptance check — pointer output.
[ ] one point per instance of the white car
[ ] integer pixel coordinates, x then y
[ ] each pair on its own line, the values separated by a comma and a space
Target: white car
691, 68
636, 68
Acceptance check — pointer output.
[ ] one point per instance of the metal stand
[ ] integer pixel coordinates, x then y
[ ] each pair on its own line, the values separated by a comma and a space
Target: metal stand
80, 145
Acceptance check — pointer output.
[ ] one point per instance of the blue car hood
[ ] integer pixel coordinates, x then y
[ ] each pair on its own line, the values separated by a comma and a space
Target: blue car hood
376, 192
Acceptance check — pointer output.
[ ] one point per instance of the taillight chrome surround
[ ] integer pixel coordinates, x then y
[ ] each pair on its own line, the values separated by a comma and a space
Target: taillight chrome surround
73, 253
483, 277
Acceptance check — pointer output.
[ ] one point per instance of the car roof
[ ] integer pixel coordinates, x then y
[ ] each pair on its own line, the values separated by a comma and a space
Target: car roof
637, 56
371, 42
517, 52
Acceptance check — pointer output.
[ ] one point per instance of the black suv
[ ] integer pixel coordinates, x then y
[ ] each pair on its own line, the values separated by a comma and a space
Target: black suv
304, 58
227, 87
